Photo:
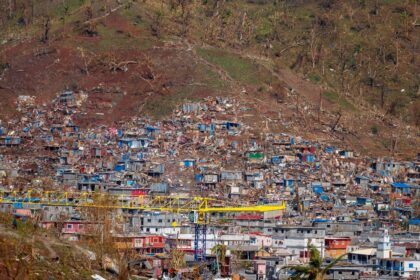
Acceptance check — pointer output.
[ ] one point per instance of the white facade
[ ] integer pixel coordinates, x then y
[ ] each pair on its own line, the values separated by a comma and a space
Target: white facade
261, 240
411, 268
299, 246
384, 247
185, 241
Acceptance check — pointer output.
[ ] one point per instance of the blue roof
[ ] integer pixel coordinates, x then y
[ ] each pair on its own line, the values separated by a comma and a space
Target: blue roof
401, 185
414, 222
324, 198
318, 220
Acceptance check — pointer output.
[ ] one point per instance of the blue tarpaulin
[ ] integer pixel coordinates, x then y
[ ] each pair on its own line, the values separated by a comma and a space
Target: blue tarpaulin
119, 167
198, 177
292, 140
401, 185
318, 189
18, 205
324, 198
415, 222
276, 159
329, 150
125, 157
319, 220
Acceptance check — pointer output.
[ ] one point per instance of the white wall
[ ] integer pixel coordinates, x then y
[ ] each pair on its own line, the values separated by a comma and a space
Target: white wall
416, 266
301, 244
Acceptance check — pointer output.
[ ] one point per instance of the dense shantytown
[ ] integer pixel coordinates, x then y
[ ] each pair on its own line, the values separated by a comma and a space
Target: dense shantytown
203, 193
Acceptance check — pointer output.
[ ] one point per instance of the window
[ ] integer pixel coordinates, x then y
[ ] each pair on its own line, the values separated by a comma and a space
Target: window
304, 254
149, 220
69, 226
160, 221
410, 265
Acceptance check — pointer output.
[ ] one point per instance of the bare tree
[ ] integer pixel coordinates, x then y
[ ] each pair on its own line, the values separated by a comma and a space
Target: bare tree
46, 27
313, 45
156, 24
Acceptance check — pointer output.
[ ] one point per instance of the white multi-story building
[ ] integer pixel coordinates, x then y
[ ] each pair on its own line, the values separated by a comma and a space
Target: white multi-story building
384, 247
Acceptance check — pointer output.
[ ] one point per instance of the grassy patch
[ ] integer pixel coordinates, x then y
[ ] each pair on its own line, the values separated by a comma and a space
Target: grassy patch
240, 69
204, 80
110, 39
163, 106
337, 99
264, 29
208, 78
315, 78
136, 17
66, 7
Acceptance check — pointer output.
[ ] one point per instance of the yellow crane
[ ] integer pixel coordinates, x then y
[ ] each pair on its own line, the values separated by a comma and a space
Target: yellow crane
177, 204
199, 206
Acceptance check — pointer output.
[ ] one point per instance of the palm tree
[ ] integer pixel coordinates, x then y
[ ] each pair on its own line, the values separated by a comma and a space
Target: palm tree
314, 270
219, 251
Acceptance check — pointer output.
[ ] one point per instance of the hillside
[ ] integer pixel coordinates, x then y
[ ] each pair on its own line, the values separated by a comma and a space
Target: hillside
30, 252
345, 73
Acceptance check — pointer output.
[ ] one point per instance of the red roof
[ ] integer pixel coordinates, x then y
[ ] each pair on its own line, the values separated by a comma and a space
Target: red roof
249, 217
337, 238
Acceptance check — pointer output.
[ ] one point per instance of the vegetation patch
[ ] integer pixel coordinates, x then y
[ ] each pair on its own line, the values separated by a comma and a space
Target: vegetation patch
163, 106
313, 77
374, 130
337, 99
204, 82
114, 39
208, 78
67, 7
240, 69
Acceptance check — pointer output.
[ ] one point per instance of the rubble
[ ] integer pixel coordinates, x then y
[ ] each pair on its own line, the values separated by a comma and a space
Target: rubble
337, 200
